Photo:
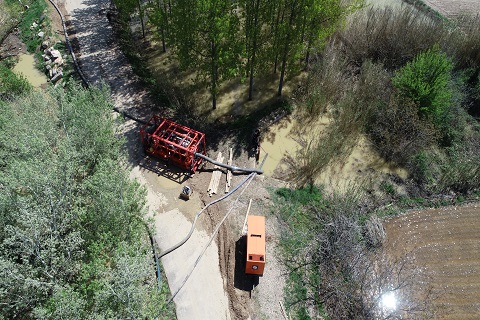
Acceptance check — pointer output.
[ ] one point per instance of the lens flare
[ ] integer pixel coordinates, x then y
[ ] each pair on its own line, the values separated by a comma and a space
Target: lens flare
389, 300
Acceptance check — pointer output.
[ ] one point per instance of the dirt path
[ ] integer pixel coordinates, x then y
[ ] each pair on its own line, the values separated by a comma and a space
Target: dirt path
204, 296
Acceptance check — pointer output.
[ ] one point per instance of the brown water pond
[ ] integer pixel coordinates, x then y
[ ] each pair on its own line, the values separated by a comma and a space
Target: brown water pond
26, 67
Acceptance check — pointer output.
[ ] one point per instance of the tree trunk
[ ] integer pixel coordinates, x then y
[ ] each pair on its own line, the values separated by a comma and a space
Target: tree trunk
275, 32
254, 50
285, 49
214, 75
140, 12
282, 72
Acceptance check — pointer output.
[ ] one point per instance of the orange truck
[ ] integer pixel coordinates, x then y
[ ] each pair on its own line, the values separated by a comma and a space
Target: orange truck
255, 245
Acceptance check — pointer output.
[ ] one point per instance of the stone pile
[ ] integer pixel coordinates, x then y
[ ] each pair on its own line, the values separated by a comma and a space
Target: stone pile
53, 62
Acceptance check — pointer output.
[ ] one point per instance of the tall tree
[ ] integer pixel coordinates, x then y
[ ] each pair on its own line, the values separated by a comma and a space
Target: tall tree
257, 30
289, 30
307, 23
159, 17
206, 34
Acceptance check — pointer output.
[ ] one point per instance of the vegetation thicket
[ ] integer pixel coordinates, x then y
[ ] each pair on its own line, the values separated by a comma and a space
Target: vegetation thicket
219, 41
74, 241
410, 84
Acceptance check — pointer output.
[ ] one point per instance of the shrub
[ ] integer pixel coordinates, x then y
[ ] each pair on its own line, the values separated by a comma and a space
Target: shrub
425, 81
35, 13
11, 84
398, 133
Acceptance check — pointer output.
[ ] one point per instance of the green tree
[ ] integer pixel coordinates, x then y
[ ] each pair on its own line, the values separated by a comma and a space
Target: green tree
304, 24
425, 81
206, 38
71, 222
257, 30
159, 16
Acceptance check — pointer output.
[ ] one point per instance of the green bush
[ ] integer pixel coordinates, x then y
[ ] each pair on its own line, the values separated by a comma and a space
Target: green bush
11, 84
425, 81
34, 13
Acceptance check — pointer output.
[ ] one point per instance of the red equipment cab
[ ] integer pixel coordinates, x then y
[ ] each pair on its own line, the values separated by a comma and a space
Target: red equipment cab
255, 245
173, 142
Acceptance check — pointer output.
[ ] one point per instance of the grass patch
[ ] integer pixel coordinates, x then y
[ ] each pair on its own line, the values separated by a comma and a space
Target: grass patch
35, 20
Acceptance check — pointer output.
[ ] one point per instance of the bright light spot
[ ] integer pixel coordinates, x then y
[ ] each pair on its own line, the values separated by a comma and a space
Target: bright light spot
389, 301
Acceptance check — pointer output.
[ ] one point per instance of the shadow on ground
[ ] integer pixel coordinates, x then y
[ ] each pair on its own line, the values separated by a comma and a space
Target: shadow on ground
241, 280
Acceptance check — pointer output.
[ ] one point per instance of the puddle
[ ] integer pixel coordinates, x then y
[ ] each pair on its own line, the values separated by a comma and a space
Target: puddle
26, 67
361, 165
277, 143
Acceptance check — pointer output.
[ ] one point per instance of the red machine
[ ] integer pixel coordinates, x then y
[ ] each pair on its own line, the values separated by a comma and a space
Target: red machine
173, 142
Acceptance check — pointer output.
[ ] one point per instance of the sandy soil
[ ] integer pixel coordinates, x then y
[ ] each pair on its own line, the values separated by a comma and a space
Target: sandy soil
445, 243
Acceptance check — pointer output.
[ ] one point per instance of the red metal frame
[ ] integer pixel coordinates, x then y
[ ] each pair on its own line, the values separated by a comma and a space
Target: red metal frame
173, 142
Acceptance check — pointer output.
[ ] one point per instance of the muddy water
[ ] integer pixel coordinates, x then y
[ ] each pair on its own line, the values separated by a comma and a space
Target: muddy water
444, 242
26, 67
362, 166
278, 143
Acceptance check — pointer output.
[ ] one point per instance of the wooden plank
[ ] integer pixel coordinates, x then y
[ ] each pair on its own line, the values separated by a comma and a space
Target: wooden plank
229, 173
244, 229
283, 311
216, 174
212, 180
217, 177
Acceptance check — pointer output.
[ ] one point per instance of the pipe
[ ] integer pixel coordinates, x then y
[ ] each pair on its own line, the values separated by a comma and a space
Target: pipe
67, 41
178, 245
215, 232
232, 168
126, 115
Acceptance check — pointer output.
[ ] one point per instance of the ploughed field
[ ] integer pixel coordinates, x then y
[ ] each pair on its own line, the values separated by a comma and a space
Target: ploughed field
454, 7
445, 244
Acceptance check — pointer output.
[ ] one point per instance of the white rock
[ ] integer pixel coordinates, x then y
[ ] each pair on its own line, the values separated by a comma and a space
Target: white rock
41, 34
55, 54
57, 77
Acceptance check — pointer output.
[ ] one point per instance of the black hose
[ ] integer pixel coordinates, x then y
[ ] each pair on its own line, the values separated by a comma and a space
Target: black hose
126, 115
178, 245
215, 232
229, 167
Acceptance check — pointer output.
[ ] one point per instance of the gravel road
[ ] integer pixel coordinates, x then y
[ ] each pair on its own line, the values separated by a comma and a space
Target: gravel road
203, 297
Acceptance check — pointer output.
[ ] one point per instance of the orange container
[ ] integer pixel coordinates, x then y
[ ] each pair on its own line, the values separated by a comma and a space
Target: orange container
255, 245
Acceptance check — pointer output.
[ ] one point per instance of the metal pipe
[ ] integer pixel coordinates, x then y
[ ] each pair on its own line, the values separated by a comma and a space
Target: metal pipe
232, 168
